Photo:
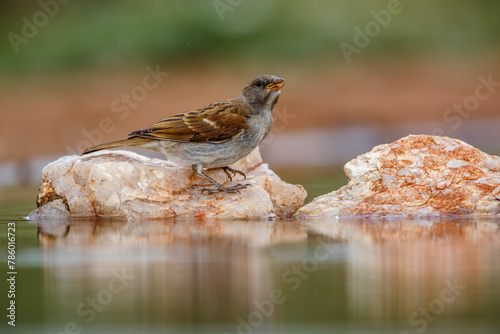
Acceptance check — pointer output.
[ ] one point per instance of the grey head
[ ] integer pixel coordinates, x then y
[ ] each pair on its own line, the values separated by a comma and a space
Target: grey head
262, 92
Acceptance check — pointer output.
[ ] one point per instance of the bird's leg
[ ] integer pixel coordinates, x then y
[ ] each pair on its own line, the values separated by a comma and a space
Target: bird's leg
198, 170
228, 169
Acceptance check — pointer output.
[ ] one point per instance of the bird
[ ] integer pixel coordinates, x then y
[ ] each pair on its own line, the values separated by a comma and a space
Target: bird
213, 136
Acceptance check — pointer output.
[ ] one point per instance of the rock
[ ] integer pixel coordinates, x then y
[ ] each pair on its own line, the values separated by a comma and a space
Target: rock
123, 183
416, 175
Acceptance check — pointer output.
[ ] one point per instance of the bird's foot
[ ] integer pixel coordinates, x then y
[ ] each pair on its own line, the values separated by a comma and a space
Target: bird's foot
228, 169
234, 189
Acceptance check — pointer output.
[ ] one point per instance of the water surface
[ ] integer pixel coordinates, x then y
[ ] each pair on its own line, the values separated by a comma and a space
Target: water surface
258, 276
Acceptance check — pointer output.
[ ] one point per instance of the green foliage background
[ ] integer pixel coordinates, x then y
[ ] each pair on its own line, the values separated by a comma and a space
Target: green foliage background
107, 33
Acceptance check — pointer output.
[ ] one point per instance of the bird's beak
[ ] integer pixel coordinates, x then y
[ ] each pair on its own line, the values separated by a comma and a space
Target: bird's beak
277, 84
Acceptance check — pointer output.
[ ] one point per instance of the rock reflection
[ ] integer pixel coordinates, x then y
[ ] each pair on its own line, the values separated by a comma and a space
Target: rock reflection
403, 268
77, 233
216, 271
181, 271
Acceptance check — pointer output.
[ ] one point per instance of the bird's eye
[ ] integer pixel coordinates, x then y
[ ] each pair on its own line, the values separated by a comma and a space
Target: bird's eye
259, 83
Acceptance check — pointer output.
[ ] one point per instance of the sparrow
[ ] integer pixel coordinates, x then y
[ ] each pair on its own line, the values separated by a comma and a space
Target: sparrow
213, 136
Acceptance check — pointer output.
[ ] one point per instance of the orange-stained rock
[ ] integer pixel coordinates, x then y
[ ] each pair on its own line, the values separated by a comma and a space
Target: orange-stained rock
416, 175
123, 183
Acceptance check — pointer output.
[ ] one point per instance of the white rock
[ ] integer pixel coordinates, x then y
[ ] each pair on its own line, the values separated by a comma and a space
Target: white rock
123, 183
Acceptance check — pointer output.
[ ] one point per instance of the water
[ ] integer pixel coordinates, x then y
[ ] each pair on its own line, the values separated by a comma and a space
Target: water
259, 276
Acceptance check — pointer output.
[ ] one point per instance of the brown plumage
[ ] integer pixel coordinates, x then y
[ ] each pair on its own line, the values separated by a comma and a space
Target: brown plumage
216, 122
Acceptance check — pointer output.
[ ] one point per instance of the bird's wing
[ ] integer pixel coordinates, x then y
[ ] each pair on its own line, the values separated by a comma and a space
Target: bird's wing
216, 122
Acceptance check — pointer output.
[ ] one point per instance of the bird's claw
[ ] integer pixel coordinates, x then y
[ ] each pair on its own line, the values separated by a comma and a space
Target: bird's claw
228, 169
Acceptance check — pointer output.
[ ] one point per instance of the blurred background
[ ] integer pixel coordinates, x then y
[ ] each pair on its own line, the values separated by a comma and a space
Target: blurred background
358, 74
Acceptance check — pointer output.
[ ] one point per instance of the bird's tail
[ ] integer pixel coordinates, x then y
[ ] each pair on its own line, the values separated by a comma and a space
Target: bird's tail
135, 141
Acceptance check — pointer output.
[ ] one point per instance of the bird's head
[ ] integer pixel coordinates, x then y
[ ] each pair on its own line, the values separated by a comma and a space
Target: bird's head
263, 91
